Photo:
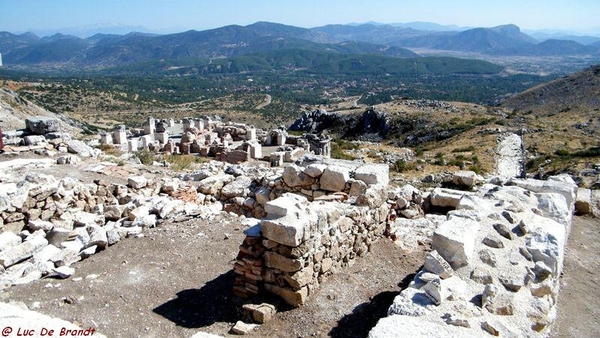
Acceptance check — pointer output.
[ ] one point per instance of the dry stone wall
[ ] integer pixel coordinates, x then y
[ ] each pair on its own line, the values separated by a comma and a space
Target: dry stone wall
46, 224
320, 224
495, 264
290, 251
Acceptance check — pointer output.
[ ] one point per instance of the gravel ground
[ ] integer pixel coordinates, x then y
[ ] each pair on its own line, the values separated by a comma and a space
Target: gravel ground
177, 281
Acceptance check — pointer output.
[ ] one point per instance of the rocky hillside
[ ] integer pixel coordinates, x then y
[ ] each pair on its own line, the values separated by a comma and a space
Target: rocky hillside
579, 91
14, 110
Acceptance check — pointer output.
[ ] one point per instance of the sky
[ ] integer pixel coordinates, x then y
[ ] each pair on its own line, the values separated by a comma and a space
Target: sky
167, 16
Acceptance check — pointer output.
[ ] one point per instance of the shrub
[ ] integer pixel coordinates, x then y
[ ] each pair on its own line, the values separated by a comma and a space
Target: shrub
463, 149
110, 150
181, 162
146, 156
338, 153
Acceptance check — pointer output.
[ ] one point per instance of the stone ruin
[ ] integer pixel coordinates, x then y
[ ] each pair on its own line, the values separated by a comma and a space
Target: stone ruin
496, 260
228, 142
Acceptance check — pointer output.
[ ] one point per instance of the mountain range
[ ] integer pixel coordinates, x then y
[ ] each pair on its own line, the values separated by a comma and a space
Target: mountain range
108, 50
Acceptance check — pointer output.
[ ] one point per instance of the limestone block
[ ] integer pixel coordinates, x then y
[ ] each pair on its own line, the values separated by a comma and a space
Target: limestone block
285, 204
137, 182
45, 254
237, 187
277, 261
583, 202
436, 264
465, 178
294, 298
454, 240
294, 177
261, 313
334, 178
315, 170
98, 237
68, 159
562, 184
213, 184
42, 125
113, 212
80, 148
411, 302
408, 326
34, 140
373, 174
8, 240
546, 242
22, 251
441, 197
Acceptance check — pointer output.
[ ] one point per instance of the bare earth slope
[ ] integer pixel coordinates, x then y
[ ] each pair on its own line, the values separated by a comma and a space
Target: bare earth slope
579, 300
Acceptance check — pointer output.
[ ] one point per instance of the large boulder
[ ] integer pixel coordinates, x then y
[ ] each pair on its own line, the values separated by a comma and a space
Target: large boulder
42, 125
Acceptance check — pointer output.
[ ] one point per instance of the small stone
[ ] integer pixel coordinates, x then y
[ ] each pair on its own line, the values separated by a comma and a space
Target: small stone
481, 275
497, 302
525, 253
503, 230
512, 282
462, 322
64, 271
241, 328
488, 257
493, 242
433, 291
509, 216
541, 270
436, 264
261, 313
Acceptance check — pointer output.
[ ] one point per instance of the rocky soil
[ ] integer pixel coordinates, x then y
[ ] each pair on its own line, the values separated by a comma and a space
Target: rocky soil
579, 301
177, 281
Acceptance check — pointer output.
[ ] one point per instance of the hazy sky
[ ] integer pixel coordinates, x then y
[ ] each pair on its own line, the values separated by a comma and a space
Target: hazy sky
179, 15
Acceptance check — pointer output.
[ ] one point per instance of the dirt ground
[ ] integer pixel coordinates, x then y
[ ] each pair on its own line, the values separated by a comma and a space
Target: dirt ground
177, 281
579, 299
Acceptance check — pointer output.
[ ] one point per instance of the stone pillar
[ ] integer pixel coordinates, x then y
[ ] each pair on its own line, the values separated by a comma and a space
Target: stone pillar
171, 123
251, 134
146, 140
132, 145
200, 124
325, 148
161, 127
276, 159
150, 126
162, 138
106, 138
187, 123
255, 150
119, 135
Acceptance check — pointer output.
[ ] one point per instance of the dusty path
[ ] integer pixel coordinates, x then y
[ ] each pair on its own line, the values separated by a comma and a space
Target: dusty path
265, 103
579, 299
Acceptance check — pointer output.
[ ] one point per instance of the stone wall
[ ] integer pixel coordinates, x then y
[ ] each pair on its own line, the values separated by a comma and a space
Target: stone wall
495, 265
290, 251
48, 224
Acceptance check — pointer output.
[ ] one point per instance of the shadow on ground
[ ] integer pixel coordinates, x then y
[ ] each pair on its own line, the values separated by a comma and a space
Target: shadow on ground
364, 317
195, 308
